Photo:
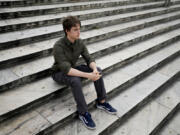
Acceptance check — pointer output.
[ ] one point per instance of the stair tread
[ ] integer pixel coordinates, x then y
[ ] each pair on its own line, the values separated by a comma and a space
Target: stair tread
123, 103
44, 7
63, 106
49, 29
57, 5
35, 105
173, 126
31, 32
35, 90
25, 69
35, 47
152, 114
60, 15
33, 122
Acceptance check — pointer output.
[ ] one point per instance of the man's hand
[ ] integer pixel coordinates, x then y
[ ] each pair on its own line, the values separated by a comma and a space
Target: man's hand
94, 76
95, 71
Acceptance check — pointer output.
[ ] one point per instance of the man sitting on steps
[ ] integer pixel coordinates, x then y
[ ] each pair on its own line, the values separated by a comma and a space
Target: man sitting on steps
66, 53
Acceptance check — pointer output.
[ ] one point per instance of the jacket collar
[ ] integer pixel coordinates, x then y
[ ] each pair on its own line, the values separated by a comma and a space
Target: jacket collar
68, 42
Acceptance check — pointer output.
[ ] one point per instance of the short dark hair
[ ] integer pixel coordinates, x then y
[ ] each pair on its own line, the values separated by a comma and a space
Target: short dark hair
69, 22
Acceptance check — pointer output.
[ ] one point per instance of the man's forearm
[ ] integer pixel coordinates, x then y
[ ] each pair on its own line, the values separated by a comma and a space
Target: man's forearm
92, 65
75, 72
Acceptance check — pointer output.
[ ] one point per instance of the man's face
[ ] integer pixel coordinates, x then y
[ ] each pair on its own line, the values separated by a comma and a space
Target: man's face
74, 33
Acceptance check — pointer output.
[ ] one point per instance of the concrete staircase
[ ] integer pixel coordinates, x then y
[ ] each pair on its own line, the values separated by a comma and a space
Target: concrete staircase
135, 42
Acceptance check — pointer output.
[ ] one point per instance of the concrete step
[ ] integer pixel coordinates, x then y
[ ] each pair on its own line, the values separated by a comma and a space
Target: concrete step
146, 119
17, 12
46, 20
31, 71
166, 119
14, 55
22, 3
36, 93
40, 34
22, 38
130, 54
82, 15
127, 103
172, 126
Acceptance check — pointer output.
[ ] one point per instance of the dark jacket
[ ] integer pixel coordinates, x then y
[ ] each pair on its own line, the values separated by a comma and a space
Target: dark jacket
66, 54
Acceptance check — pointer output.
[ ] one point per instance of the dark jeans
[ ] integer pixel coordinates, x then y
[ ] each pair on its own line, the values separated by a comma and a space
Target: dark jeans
76, 86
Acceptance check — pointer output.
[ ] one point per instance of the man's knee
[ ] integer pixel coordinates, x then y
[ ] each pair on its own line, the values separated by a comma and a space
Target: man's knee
75, 81
99, 69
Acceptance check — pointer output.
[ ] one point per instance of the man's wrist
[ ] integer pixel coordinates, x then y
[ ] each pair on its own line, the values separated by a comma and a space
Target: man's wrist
86, 75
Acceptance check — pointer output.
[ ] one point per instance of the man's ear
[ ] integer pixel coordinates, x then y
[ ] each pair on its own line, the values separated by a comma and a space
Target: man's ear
66, 31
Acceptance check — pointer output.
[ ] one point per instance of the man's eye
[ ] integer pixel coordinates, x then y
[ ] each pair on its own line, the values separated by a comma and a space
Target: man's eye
76, 30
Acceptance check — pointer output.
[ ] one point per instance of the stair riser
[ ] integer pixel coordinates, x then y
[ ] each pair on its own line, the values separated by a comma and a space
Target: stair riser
64, 90
140, 105
117, 91
10, 28
61, 10
5, 4
45, 73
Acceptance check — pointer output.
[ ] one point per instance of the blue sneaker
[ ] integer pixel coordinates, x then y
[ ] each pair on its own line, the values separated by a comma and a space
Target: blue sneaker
107, 107
87, 120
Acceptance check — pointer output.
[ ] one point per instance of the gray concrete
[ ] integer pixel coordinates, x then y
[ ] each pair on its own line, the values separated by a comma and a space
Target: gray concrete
53, 111
25, 50
32, 123
38, 65
173, 126
59, 109
7, 76
144, 121
45, 30
60, 15
11, 25
31, 48
30, 8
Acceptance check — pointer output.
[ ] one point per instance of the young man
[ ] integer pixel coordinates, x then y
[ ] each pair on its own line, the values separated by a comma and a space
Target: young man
66, 52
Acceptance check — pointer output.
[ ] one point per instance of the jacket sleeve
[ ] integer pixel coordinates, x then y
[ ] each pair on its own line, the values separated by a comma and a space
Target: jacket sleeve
85, 54
62, 63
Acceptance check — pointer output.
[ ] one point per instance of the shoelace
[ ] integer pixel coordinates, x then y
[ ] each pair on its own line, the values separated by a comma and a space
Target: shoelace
107, 105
